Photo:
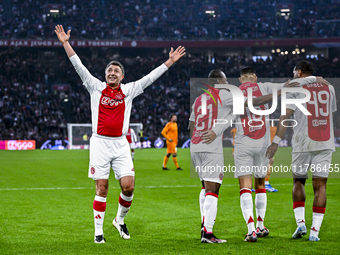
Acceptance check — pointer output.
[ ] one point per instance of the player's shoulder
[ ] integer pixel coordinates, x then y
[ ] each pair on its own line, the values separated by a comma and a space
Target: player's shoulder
225, 94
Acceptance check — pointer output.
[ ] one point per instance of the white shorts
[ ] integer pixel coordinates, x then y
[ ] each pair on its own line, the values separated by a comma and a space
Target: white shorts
132, 146
249, 160
109, 152
209, 166
317, 161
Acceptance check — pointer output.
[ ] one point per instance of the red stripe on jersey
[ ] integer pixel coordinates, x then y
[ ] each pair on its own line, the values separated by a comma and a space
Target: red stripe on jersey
128, 136
124, 202
319, 209
204, 122
99, 206
211, 194
111, 112
298, 204
260, 191
319, 127
243, 191
254, 127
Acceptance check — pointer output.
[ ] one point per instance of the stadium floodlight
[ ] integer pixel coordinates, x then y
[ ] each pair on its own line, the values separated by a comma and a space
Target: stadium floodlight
79, 135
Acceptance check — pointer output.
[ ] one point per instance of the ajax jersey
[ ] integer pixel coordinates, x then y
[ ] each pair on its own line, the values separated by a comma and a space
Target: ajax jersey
111, 108
314, 132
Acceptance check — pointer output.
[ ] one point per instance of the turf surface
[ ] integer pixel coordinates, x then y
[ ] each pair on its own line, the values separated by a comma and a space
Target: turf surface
46, 208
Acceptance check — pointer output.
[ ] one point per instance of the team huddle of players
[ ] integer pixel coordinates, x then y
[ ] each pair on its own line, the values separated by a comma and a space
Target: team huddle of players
312, 142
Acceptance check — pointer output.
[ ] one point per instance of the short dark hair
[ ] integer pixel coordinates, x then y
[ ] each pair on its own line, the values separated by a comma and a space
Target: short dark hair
214, 75
171, 115
247, 70
115, 63
305, 67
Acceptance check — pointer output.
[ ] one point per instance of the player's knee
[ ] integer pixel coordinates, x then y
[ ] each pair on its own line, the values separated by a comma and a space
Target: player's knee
128, 190
174, 155
101, 190
168, 155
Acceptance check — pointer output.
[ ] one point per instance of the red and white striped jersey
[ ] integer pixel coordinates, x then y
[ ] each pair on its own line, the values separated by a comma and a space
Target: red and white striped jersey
204, 122
253, 130
111, 108
131, 136
314, 132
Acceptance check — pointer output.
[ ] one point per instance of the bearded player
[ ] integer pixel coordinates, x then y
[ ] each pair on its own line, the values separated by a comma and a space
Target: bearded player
313, 145
111, 104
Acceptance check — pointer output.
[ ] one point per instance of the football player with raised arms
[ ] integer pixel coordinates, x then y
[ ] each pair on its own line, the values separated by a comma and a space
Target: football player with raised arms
111, 104
313, 145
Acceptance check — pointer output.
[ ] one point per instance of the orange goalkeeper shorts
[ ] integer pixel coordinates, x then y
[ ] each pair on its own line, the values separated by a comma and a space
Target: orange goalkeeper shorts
171, 147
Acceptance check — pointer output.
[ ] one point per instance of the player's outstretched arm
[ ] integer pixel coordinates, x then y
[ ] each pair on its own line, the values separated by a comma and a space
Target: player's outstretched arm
281, 130
88, 80
64, 38
174, 56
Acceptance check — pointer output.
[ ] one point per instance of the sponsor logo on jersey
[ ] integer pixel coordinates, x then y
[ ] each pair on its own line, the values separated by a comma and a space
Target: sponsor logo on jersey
317, 122
110, 101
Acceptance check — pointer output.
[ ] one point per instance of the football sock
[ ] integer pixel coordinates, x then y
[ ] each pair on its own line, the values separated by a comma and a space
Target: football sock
246, 202
175, 161
133, 155
318, 213
210, 211
202, 199
124, 204
99, 206
165, 161
261, 206
299, 212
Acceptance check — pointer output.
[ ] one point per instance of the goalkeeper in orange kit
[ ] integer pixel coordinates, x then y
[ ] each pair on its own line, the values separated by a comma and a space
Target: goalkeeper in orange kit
170, 132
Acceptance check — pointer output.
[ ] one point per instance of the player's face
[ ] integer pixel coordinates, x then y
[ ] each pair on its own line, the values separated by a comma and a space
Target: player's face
174, 118
114, 75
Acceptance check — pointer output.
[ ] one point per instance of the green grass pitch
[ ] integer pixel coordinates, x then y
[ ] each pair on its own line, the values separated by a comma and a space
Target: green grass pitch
46, 208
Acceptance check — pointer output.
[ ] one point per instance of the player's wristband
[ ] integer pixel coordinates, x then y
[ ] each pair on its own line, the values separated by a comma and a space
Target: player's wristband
276, 139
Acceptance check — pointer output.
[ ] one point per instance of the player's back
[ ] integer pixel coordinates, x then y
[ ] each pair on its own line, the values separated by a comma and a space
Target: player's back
205, 122
253, 130
314, 132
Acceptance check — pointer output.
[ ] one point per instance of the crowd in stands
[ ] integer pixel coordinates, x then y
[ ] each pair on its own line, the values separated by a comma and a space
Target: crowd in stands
31, 109
169, 19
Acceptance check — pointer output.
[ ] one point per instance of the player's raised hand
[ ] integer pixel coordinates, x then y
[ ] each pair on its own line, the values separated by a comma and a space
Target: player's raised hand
175, 55
62, 36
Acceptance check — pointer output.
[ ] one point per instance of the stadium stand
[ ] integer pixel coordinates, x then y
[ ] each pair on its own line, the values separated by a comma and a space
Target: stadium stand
162, 20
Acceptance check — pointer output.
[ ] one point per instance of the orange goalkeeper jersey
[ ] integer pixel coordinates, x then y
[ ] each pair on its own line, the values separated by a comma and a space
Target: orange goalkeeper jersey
170, 131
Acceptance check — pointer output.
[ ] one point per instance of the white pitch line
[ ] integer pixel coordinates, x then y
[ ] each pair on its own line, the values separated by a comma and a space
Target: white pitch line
140, 187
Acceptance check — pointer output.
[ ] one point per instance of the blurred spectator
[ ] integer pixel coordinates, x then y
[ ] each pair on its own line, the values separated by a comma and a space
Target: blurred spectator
161, 19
